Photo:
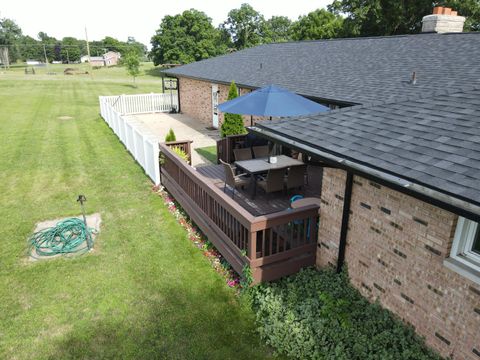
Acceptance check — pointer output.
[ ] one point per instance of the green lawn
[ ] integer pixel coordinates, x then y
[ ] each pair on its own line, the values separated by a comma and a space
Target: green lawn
209, 153
145, 292
148, 73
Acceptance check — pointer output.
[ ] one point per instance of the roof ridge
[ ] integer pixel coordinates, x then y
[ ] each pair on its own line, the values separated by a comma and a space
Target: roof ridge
369, 38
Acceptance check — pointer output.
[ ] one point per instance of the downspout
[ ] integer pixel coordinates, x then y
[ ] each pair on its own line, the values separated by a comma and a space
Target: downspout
347, 198
178, 94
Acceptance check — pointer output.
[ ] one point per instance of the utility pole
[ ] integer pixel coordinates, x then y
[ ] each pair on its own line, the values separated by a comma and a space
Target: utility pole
88, 53
45, 53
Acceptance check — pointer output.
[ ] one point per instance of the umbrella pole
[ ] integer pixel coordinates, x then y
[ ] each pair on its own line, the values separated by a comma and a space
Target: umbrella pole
270, 118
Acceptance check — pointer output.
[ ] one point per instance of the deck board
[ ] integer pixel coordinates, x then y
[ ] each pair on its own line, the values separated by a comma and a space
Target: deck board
265, 204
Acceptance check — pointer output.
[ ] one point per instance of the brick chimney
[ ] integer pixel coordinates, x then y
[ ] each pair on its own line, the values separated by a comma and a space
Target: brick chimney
443, 20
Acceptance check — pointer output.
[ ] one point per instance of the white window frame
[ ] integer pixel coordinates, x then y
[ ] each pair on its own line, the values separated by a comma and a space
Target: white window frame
462, 247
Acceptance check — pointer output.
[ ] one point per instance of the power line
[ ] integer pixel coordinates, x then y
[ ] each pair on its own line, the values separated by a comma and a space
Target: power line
59, 44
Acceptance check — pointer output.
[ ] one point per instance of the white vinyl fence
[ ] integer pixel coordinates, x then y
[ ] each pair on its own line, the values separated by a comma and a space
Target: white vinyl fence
138, 140
142, 103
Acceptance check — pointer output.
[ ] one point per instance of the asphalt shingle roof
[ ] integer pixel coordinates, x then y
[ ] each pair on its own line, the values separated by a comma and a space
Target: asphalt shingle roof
358, 71
431, 140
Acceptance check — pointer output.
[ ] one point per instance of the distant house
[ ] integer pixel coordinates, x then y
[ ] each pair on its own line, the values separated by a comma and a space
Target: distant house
110, 58
33, 62
400, 158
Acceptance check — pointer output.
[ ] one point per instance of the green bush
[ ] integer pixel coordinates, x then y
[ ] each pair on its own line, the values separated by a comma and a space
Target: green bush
232, 123
319, 315
170, 136
182, 154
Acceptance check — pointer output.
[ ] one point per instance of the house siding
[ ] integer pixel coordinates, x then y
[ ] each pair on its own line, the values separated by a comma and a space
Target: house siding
396, 245
196, 100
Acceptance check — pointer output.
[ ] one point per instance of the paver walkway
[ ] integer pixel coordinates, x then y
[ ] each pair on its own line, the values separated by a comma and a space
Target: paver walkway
185, 128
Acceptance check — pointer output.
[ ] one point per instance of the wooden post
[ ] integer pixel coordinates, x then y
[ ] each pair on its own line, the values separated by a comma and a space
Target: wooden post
252, 245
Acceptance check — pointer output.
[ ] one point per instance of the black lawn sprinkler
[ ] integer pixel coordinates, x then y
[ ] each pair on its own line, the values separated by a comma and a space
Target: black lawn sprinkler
82, 199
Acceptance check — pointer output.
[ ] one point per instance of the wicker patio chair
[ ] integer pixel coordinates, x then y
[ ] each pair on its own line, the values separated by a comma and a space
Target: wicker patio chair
273, 182
296, 177
260, 151
242, 154
232, 180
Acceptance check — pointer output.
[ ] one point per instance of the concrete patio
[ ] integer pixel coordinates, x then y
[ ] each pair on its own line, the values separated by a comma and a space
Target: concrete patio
185, 128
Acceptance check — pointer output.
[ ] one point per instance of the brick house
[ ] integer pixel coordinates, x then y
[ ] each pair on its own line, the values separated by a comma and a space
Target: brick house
110, 58
400, 190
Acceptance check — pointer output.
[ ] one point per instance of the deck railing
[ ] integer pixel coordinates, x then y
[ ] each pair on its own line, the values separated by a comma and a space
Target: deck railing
272, 245
185, 146
226, 145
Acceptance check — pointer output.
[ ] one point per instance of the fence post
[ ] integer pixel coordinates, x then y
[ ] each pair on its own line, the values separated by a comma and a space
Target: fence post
123, 104
252, 246
152, 102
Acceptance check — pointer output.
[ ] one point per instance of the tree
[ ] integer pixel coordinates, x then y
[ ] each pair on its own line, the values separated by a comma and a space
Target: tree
319, 24
52, 46
246, 27
30, 49
278, 29
112, 44
138, 47
70, 49
170, 136
186, 37
232, 123
393, 17
10, 34
132, 63
468, 8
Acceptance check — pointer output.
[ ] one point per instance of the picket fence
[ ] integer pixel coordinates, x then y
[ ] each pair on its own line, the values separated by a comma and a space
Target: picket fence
138, 140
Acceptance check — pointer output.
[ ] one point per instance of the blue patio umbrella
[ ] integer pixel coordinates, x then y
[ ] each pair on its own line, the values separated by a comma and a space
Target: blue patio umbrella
271, 101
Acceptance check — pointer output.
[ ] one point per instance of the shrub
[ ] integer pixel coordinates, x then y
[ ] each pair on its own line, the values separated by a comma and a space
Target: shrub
319, 315
232, 123
180, 153
170, 136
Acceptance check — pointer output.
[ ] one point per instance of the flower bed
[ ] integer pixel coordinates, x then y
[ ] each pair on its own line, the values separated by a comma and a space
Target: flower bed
218, 262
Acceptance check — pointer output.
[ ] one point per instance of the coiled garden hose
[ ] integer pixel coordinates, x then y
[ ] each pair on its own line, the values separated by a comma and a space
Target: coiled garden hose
67, 236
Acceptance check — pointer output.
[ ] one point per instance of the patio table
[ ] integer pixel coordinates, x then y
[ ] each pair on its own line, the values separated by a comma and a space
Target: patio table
255, 167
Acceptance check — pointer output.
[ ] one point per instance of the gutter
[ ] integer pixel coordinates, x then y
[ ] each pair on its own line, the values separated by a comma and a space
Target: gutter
421, 192
324, 101
347, 199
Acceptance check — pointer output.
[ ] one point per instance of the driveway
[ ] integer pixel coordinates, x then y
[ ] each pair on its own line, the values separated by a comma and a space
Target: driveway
185, 128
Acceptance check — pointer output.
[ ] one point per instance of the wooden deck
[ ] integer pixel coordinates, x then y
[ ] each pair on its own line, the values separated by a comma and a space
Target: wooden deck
263, 204
273, 244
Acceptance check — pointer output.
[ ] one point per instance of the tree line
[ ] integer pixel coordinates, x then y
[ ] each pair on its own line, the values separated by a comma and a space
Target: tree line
191, 36
68, 49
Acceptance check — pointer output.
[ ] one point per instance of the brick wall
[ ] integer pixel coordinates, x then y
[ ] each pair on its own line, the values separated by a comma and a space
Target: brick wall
196, 100
395, 250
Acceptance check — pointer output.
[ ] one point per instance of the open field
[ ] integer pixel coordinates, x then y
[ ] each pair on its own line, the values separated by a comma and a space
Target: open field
148, 73
145, 292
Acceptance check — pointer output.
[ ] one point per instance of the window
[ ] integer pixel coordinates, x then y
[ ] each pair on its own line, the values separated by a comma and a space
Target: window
466, 243
476, 242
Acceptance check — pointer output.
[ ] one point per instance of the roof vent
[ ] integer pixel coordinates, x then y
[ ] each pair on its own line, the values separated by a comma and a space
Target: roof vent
443, 20
413, 80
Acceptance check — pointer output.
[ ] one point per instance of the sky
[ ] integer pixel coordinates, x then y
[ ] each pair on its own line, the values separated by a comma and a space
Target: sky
138, 18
